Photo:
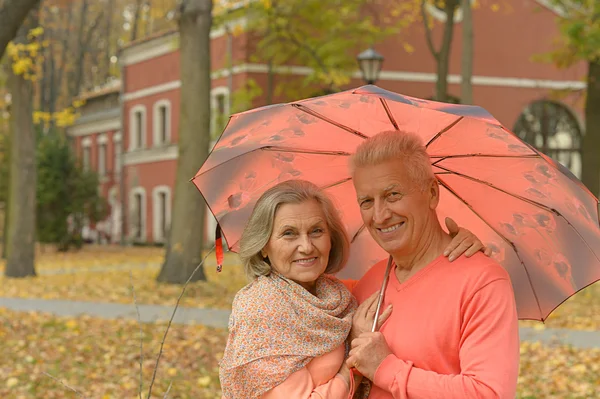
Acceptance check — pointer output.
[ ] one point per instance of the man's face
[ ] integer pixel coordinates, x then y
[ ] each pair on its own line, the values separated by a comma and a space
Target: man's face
396, 211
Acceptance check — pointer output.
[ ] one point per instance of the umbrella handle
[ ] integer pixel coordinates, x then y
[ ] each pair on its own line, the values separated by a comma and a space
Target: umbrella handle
386, 277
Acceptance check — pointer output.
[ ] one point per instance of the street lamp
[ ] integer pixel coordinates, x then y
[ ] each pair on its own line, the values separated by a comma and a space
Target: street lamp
370, 62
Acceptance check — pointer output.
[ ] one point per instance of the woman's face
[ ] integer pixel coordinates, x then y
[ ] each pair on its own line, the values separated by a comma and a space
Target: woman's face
300, 243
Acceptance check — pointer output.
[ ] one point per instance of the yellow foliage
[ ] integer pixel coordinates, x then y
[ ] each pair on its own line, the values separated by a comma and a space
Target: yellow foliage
27, 56
35, 32
408, 48
63, 118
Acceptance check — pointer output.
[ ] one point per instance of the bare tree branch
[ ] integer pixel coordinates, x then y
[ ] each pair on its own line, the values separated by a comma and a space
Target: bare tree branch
434, 52
162, 344
168, 390
66, 385
136, 19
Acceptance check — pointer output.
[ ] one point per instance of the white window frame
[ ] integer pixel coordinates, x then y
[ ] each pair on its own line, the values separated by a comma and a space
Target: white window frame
214, 94
102, 142
156, 139
86, 147
117, 157
156, 216
142, 192
133, 127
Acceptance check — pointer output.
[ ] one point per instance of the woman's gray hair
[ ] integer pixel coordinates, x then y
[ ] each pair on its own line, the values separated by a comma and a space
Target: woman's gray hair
259, 227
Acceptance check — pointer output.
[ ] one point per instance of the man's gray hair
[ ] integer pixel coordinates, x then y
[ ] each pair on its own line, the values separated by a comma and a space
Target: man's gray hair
396, 145
259, 228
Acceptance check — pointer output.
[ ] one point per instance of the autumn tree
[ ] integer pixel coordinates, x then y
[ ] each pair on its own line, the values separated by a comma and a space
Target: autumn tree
320, 35
22, 182
184, 246
579, 24
441, 55
466, 70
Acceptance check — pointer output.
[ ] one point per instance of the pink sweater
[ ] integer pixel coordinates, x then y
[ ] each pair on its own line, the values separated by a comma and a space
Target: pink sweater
318, 380
453, 331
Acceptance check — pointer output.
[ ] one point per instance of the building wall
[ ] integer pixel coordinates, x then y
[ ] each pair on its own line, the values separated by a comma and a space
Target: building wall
506, 80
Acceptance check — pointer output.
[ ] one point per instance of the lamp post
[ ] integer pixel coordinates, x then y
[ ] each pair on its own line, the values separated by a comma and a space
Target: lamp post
370, 62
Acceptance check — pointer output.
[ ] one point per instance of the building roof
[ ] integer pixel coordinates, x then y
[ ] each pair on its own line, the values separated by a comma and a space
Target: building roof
99, 91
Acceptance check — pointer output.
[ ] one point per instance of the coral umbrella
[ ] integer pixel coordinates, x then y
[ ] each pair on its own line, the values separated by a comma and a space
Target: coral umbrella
539, 219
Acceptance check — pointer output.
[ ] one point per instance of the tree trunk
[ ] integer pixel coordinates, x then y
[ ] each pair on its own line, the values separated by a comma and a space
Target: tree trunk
591, 140
62, 70
136, 19
6, 200
270, 82
466, 86
109, 21
186, 236
441, 87
22, 189
75, 84
12, 15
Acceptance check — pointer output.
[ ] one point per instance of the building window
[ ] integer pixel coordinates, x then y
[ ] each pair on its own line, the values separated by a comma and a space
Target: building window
118, 149
137, 127
102, 159
86, 153
219, 110
137, 213
161, 201
552, 129
102, 141
162, 122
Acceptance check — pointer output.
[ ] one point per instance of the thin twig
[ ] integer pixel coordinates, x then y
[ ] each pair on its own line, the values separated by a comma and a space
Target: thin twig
171, 320
137, 308
65, 385
168, 390
434, 52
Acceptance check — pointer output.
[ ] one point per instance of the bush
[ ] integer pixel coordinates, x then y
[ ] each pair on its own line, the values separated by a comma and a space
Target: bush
67, 195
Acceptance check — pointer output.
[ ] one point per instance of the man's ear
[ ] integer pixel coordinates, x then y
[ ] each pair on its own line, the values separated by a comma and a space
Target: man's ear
434, 193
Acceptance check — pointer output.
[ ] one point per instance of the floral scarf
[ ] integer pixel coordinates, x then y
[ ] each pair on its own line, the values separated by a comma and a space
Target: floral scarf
277, 327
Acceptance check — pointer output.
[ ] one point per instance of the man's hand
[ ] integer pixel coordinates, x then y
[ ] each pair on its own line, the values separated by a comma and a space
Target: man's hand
367, 353
463, 242
362, 321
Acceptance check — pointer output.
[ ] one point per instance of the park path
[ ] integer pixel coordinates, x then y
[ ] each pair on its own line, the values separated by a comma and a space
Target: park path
218, 318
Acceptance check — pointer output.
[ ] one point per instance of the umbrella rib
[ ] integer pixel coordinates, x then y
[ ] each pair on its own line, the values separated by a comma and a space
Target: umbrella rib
326, 119
337, 183
301, 151
355, 236
527, 200
389, 113
479, 155
512, 244
485, 183
274, 149
444, 130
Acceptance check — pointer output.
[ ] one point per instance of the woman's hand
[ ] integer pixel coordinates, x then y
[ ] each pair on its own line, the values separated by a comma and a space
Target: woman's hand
362, 321
463, 242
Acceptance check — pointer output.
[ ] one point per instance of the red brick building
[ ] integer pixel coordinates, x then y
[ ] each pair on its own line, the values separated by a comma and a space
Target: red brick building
142, 119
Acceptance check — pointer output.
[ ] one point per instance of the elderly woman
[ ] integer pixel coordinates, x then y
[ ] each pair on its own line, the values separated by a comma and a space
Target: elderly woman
288, 327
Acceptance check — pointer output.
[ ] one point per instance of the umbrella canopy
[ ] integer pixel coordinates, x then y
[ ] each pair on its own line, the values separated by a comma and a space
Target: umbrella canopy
539, 219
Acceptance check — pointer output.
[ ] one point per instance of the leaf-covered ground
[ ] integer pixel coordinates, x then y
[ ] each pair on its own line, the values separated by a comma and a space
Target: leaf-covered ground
100, 359
581, 312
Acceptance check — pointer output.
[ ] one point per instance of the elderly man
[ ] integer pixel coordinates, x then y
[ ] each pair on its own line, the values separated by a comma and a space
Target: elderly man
453, 331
